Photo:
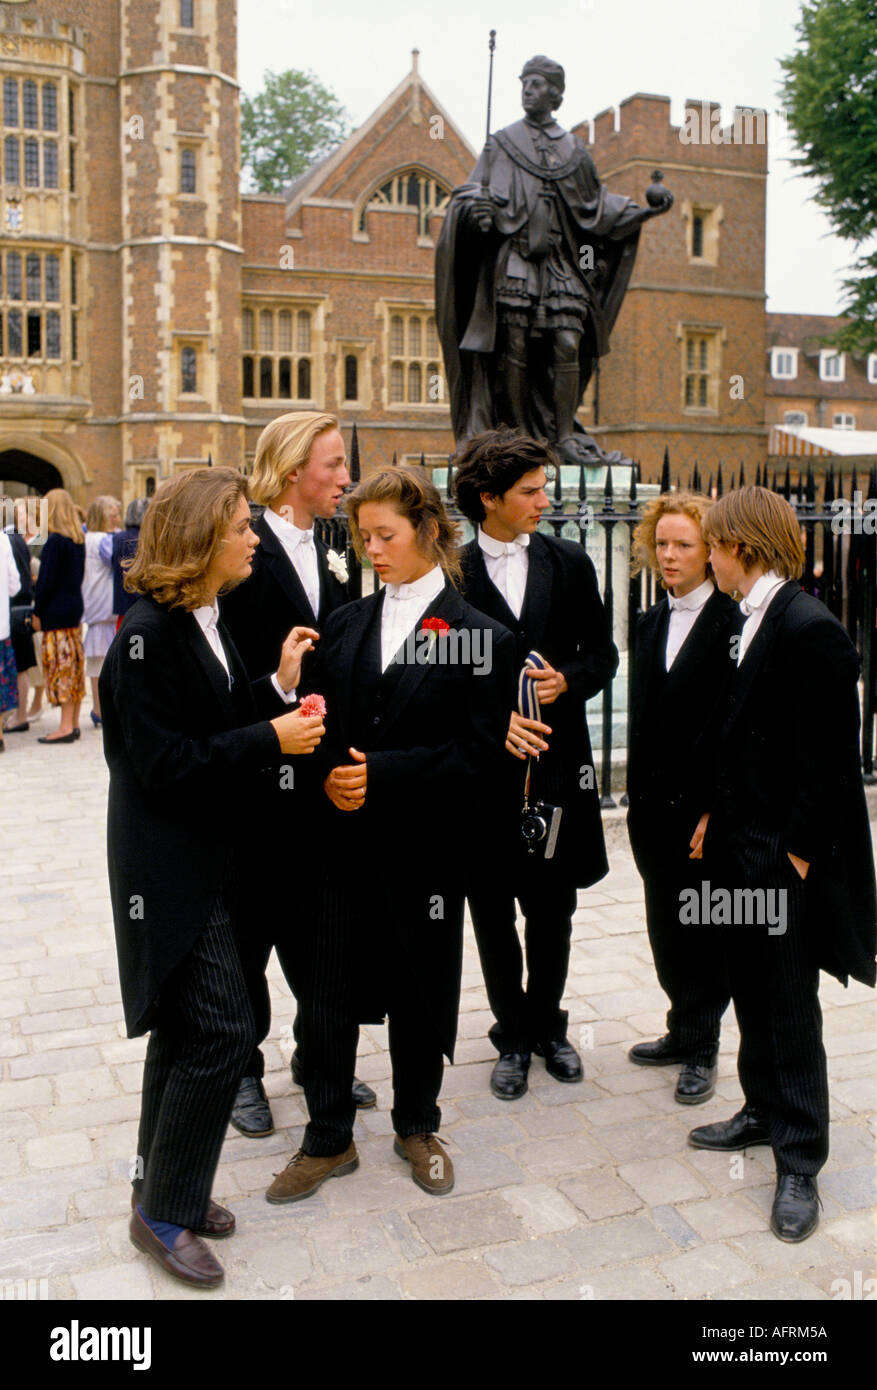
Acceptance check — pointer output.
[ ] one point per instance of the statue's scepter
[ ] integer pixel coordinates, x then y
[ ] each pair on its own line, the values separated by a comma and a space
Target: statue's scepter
488, 147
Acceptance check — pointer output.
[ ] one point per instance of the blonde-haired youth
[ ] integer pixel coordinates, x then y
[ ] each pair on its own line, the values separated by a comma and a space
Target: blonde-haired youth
284, 446
64, 515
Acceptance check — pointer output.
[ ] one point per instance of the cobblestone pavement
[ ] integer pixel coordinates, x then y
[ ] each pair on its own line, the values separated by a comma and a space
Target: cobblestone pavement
574, 1192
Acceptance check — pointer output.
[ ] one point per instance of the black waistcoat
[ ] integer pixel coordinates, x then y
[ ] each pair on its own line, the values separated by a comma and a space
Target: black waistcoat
374, 688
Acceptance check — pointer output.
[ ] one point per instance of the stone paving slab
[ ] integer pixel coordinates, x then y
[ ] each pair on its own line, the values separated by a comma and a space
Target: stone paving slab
574, 1192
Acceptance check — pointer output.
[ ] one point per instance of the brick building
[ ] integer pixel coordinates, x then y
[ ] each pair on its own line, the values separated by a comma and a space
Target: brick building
120, 241
810, 385
686, 367
151, 315
337, 282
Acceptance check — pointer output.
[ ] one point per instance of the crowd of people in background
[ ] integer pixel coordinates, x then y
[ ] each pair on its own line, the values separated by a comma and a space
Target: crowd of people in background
61, 602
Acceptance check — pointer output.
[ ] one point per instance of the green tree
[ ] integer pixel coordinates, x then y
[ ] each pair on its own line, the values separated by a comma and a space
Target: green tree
292, 122
830, 96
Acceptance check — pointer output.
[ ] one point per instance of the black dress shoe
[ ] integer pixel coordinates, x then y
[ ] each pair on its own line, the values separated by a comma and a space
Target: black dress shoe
663, 1053
364, 1097
508, 1080
743, 1131
60, 738
251, 1115
795, 1213
561, 1060
695, 1084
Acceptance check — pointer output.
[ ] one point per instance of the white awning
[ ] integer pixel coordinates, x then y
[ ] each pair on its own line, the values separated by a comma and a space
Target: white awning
800, 441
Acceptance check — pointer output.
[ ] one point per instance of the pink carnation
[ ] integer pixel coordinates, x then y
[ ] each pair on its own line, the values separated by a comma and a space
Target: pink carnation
313, 705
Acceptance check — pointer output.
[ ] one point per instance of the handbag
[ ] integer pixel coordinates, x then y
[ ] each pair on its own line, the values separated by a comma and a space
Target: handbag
21, 633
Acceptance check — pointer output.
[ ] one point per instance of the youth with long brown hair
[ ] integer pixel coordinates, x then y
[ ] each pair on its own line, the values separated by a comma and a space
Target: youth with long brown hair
186, 737
417, 686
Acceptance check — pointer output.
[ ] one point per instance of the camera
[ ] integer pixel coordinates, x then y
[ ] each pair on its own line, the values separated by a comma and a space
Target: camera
540, 824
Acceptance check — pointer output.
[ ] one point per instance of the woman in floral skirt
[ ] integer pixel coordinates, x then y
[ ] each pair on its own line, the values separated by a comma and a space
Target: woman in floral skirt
58, 613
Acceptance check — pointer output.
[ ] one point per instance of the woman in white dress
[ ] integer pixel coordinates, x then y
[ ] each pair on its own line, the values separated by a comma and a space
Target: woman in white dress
104, 516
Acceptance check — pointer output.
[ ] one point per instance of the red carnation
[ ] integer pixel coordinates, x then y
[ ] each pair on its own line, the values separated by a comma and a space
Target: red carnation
435, 625
313, 705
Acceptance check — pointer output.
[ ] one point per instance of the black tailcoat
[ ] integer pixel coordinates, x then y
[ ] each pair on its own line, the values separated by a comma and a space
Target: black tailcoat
787, 778
564, 620
434, 736
185, 755
670, 710
262, 611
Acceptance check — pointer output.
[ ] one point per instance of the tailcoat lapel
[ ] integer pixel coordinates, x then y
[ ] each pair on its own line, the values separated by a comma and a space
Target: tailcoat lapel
328, 584
208, 665
690, 654
537, 595
354, 635
446, 605
755, 654
279, 565
485, 596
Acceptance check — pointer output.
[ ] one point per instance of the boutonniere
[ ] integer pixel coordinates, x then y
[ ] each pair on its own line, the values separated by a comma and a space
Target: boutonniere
337, 565
435, 627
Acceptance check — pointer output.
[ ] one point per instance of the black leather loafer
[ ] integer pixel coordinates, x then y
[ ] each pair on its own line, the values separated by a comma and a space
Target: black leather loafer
364, 1097
561, 1060
251, 1115
743, 1131
663, 1053
508, 1080
795, 1213
695, 1084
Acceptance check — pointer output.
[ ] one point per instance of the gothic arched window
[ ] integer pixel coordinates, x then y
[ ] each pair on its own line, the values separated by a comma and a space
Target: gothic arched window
412, 188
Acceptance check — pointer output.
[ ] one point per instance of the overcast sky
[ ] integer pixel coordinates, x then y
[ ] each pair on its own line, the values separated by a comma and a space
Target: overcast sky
726, 52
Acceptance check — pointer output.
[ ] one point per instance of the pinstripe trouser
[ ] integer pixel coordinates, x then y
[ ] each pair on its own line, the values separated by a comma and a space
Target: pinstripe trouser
194, 1061
774, 982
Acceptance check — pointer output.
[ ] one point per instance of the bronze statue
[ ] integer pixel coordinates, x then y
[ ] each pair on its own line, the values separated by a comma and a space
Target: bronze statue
532, 264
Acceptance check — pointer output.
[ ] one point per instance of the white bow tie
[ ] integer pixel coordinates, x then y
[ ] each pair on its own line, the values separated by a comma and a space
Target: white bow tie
404, 591
747, 608
306, 538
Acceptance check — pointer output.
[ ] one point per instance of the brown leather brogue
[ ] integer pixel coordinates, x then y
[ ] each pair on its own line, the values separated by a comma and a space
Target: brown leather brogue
304, 1173
190, 1259
431, 1166
217, 1224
